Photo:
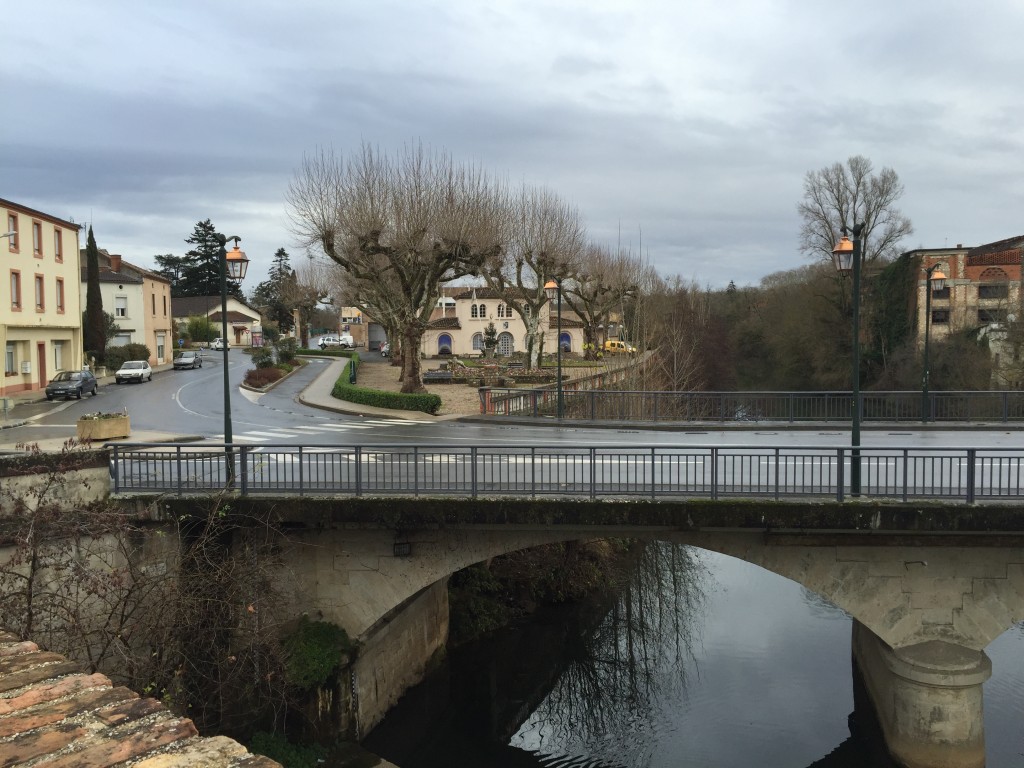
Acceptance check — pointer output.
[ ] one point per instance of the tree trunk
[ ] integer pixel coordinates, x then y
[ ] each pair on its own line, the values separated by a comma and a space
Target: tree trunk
412, 382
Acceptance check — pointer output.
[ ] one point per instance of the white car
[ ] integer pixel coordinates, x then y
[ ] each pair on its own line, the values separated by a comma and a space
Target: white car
344, 341
134, 370
219, 343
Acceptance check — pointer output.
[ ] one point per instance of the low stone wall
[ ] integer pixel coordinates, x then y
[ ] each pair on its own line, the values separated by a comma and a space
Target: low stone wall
52, 712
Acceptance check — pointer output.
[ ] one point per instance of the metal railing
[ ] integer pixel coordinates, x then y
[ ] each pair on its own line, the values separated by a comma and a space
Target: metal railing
626, 405
715, 472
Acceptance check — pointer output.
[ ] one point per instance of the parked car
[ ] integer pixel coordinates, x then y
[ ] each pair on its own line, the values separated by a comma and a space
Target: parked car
618, 348
385, 349
332, 340
134, 370
220, 343
71, 384
188, 359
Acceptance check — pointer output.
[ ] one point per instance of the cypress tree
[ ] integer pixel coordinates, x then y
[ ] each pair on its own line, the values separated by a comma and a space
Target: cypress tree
94, 338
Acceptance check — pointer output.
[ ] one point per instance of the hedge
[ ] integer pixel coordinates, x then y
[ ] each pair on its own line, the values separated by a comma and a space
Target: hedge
398, 401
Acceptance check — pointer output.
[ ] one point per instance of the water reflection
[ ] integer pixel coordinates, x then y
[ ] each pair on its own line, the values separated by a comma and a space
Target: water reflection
702, 660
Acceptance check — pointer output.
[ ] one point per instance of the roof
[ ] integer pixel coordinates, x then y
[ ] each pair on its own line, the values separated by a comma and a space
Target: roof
106, 276
451, 323
233, 317
38, 214
187, 306
999, 253
479, 293
567, 322
129, 273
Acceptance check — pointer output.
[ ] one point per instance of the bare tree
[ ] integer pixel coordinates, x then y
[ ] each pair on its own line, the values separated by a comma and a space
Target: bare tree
542, 238
837, 196
605, 282
400, 226
683, 317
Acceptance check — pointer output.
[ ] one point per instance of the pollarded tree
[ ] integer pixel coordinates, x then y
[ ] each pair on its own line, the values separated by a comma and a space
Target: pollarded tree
603, 285
839, 196
400, 226
542, 237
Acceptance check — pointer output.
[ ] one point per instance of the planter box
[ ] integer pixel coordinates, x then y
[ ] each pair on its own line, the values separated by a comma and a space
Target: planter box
104, 429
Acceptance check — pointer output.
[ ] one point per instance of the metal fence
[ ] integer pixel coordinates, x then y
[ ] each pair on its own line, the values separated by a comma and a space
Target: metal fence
965, 474
626, 405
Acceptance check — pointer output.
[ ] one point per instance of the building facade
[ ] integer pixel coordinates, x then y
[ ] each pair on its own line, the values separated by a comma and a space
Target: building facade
245, 324
139, 301
982, 292
40, 311
460, 320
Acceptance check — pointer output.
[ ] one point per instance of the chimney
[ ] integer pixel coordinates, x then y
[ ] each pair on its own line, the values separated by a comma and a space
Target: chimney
115, 263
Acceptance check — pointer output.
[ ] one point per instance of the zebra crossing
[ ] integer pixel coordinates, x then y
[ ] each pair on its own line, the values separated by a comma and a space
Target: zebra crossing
286, 434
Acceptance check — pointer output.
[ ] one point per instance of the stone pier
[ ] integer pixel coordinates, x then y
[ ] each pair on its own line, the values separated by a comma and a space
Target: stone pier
927, 698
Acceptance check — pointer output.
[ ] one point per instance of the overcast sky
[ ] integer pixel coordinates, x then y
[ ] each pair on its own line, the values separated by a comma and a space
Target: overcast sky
692, 123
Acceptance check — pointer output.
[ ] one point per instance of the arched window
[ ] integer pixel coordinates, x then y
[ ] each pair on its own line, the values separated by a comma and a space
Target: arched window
501, 310
483, 310
506, 344
565, 342
473, 311
526, 311
444, 344
478, 342
993, 284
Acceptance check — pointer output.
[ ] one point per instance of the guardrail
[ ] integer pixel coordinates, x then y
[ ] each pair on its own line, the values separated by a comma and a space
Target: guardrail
715, 472
627, 405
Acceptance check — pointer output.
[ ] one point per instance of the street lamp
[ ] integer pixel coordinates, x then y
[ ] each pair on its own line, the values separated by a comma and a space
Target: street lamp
847, 258
553, 288
232, 266
935, 280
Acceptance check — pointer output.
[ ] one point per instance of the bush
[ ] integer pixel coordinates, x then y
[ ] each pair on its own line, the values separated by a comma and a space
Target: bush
286, 348
116, 356
285, 367
398, 401
314, 652
261, 377
263, 357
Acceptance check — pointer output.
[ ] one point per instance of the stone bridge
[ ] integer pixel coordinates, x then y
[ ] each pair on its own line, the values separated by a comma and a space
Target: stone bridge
928, 586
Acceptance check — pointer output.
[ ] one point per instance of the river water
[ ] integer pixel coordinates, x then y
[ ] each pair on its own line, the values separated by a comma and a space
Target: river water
702, 660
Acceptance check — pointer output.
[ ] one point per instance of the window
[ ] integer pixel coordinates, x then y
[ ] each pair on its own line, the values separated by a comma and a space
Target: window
478, 341
120, 306
941, 294
474, 312
10, 361
986, 316
165, 305
152, 302
940, 316
58, 244
59, 295
37, 239
483, 310
501, 310
161, 345
526, 311
40, 297
996, 291
12, 226
15, 290
58, 355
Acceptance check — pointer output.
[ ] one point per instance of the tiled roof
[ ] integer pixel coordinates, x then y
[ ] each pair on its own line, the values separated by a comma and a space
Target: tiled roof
998, 253
233, 317
481, 293
187, 306
567, 322
55, 713
451, 323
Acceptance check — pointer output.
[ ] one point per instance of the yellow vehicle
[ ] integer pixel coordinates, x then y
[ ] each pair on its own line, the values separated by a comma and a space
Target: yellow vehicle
615, 347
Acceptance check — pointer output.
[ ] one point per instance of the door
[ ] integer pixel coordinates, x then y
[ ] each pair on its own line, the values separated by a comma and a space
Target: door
41, 363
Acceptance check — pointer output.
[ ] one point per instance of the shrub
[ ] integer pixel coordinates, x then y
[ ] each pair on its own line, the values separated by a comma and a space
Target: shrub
116, 356
285, 367
261, 377
400, 401
313, 652
286, 348
263, 357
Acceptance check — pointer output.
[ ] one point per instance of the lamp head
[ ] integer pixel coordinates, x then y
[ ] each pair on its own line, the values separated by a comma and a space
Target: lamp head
551, 289
937, 278
237, 262
842, 255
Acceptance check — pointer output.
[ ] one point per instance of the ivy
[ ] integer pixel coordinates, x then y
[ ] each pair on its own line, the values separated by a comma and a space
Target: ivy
313, 652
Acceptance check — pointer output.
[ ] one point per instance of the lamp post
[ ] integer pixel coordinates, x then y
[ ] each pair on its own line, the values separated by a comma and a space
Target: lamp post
935, 280
232, 266
553, 288
847, 258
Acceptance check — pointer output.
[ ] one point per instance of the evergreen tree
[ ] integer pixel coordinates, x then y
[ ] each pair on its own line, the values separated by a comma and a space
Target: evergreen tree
200, 274
93, 333
172, 267
272, 295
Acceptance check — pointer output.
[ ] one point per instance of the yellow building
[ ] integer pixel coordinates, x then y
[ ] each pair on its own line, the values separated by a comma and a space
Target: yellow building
40, 312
